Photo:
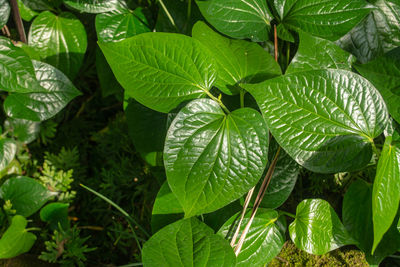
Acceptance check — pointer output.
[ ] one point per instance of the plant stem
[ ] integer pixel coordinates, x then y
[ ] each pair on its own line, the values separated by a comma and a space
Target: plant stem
287, 214
18, 21
171, 19
246, 204
242, 93
258, 200
375, 149
276, 43
217, 100
287, 55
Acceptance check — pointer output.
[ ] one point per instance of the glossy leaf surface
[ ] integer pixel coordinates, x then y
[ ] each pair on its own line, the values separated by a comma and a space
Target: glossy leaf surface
377, 33
264, 240
241, 19
237, 61
324, 119
55, 93
26, 195
119, 25
55, 214
94, 6
17, 73
27, 13
187, 242
4, 12
61, 40
42, 4
16, 240
147, 129
330, 19
315, 53
386, 190
23, 130
317, 229
211, 158
108, 83
161, 70
384, 74
357, 218
8, 149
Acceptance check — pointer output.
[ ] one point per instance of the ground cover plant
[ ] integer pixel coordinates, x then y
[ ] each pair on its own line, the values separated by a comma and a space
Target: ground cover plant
199, 133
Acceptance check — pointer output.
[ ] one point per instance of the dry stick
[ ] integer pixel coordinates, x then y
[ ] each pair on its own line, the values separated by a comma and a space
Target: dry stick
246, 204
257, 202
18, 21
6, 31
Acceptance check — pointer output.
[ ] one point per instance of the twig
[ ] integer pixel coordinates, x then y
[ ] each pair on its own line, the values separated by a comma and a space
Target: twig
276, 43
18, 21
257, 202
6, 31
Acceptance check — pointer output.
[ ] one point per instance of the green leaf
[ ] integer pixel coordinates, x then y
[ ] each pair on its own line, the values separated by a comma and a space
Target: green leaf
4, 12
119, 25
61, 40
315, 53
329, 19
55, 93
108, 83
237, 61
264, 240
386, 190
317, 229
16, 239
324, 119
17, 73
147, 129
376, 34
357, 218
26, 194
384, 74
283, 179
94, 6
161, 70
23, 130
27, 14
211, 158
187, 242
42, 4
55, 213
241, 19
8, 149
166, 209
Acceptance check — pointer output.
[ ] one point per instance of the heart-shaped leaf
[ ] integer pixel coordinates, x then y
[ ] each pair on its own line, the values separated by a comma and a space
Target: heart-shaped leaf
23, 130
187, 242
315, 53
16, 239
17, 73
26, 12
8, 149
264, 240
242, 19
26, 194
312, 16
376, 34
386, 190
61, 40
237, 61
55, 93
94, 6
324, 119
4, 12
212, 158
161, 70
55, 214
357, 218
42, 4
119, 25
384, 74
317, 229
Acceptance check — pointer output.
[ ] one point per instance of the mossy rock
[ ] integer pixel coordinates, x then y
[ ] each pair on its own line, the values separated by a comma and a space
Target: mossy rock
292, 256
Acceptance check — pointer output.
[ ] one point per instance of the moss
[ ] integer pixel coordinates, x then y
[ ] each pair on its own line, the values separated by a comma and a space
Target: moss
292, 256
